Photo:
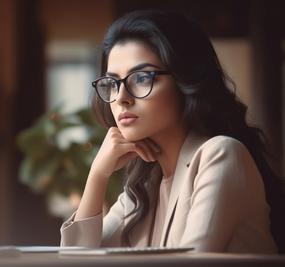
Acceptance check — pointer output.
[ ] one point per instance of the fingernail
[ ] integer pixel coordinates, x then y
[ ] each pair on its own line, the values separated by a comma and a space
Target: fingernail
157, 150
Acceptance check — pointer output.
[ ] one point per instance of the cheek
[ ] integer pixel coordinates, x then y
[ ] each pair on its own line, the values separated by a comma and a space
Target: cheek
169, 105
113, 110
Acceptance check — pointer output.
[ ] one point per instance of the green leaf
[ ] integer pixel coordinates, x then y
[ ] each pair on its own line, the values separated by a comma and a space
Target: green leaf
38, 174
48, 168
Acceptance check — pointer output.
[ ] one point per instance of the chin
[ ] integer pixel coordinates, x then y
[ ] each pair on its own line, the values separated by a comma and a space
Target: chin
132, 135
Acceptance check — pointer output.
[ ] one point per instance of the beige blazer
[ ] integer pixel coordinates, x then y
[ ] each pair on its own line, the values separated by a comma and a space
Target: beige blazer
217, 203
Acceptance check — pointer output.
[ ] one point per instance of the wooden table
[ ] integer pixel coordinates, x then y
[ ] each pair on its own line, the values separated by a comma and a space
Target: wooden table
149, 260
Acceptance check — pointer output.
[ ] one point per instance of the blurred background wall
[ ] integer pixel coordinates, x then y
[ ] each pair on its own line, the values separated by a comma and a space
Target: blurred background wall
49, 55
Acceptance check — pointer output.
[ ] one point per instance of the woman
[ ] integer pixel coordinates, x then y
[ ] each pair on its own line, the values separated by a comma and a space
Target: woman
196, 172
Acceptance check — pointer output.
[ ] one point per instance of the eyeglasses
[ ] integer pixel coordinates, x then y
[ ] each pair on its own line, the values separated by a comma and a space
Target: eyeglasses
138, 84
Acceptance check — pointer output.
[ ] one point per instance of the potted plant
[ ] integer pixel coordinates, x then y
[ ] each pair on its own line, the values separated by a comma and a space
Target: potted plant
58, 152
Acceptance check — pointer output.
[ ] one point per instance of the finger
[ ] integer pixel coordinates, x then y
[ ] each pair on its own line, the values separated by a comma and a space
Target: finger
125, 159
154, 146
124, 148
145, 151
114, 133
142, 154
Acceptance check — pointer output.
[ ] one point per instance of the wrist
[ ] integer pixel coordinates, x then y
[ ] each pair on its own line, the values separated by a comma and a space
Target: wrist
98, 178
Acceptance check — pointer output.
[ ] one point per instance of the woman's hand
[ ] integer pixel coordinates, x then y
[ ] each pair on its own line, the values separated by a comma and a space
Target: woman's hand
116, 152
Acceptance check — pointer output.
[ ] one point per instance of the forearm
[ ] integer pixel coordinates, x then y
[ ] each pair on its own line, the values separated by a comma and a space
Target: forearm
93, 197
114, 154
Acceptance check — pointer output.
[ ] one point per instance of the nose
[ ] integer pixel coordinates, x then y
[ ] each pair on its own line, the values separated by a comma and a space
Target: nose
124, 98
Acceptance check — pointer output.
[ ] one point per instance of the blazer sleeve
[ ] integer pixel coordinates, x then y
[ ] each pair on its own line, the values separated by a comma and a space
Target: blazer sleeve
218, 201
95, 231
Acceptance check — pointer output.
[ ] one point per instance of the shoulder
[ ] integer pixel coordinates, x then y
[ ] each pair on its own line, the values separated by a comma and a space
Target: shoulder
223, 149
198, 148
225, 161
223, 144
222, 140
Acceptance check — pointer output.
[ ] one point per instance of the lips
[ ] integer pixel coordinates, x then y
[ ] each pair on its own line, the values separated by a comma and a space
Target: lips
126, 118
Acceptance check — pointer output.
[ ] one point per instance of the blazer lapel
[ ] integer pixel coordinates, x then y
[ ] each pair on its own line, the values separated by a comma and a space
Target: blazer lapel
186, 154
141, 235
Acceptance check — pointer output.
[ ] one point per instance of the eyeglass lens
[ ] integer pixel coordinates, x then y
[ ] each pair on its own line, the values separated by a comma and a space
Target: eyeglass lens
138, 84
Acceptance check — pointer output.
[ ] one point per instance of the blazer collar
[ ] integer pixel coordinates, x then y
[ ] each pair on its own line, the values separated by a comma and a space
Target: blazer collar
188, 149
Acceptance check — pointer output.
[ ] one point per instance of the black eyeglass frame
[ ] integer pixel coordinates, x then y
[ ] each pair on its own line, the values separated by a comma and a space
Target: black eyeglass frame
118, 82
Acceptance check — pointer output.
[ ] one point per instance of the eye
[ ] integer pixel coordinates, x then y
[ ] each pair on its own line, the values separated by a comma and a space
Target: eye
112, 84
108, 83
142, 78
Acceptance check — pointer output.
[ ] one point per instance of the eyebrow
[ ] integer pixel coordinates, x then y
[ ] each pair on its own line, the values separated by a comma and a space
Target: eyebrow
137, 67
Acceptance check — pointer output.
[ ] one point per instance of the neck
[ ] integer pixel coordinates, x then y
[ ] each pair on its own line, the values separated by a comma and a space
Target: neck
170, 145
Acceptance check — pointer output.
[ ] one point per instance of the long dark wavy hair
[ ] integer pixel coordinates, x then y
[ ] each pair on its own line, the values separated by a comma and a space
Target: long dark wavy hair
210, 104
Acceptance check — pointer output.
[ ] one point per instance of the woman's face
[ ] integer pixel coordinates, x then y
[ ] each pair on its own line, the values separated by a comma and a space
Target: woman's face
154, 116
